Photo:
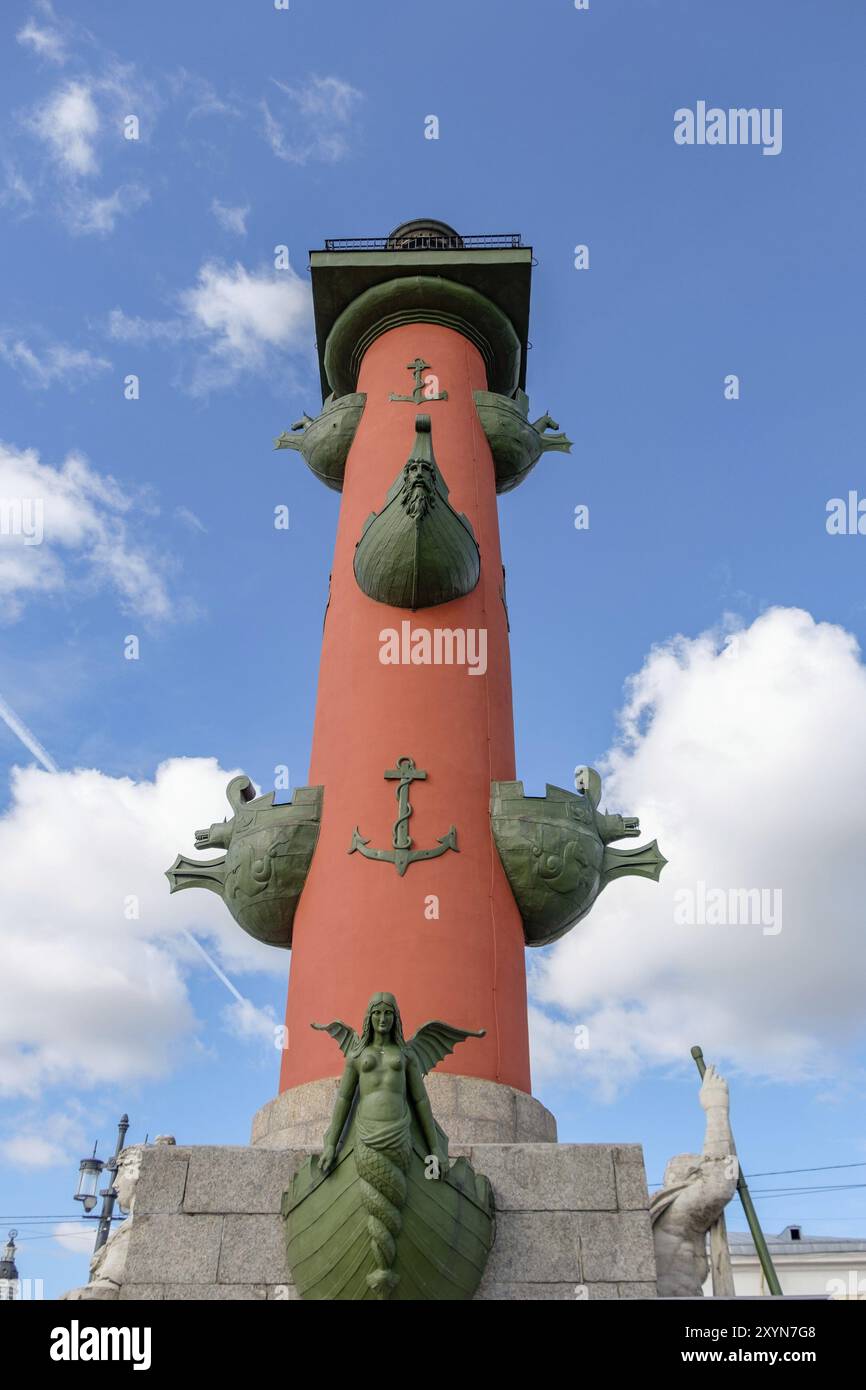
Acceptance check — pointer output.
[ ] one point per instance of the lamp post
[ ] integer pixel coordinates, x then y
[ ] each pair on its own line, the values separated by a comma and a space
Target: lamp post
88, 1180
8, 1270
88, 1184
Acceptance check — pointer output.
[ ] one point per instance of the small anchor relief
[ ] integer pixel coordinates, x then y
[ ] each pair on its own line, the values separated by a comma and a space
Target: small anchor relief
420, 392
402, 855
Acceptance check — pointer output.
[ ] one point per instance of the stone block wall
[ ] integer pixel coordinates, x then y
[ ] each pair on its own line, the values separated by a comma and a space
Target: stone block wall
572, 1222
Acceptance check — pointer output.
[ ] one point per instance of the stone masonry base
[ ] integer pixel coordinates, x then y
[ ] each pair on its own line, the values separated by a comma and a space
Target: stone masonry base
471, 1111
572, 1222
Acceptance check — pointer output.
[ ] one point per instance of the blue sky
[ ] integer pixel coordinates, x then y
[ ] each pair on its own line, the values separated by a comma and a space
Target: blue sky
743, 743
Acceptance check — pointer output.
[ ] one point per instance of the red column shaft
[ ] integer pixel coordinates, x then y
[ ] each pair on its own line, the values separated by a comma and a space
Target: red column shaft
360, 927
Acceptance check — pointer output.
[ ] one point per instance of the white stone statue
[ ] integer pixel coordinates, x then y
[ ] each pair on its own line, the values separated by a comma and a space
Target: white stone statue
697, 1188
108, 1264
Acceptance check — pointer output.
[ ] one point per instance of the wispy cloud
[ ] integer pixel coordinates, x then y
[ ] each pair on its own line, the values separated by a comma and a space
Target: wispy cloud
68, 123
83, 537
45, 1139
76, 126
99, 215
44, 36
131, 328
16, 192
231, 219
72, 1236
202, 95
190, 519
55, 363
45, 42
29, 739
75, 131
238, 321
313, 121
77, 158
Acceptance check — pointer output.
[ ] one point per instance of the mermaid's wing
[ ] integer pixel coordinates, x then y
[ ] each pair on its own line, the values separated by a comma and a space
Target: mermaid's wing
435, 1040
342, 1033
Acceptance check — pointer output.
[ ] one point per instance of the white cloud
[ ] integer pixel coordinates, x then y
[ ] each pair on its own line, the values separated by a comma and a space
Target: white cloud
68, 123
127, 328
74, 1236
98, 215
236, 320
85, 115
78, 126
190, 519
206, 100
231, 219
31, 1151
550, 1041
52, 1139
315, 120
16, 191
246, 1021
61, 526
46, 43
746, 762
245, 312
88, 997
55, 363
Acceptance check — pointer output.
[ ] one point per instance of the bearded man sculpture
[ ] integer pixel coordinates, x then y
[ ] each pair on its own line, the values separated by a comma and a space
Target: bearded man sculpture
696, 1190
417, 552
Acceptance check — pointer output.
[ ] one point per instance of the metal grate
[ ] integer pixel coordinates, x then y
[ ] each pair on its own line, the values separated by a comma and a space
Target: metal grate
428, 241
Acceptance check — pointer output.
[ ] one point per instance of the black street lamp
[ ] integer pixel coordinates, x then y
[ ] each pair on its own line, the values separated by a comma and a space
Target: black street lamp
88, 1184
88, 1180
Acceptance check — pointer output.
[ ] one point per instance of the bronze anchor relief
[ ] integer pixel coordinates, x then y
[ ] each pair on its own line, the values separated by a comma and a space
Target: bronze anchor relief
402, 854
421, 391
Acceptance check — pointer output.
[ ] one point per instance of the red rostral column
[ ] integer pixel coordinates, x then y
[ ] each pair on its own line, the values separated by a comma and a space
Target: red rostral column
423, 316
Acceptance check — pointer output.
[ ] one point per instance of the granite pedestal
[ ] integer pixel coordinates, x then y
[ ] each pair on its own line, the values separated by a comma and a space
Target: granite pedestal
572, 1220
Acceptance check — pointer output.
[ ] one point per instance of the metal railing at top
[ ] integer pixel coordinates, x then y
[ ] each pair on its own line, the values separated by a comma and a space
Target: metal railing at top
429, 241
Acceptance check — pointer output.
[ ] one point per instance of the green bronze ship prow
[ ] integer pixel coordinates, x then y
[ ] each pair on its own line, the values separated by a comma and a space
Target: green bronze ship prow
556, 853
417, 552
384, 1213
269, 848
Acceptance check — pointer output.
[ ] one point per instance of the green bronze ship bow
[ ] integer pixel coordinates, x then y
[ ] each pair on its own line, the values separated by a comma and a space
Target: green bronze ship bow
384, 1213
417, 552
269, 849
556, 853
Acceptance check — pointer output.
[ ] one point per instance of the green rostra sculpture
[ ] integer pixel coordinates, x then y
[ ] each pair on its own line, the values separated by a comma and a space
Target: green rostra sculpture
324, 442
269, 849
417, 552
515, 442
556, 853
383, 1214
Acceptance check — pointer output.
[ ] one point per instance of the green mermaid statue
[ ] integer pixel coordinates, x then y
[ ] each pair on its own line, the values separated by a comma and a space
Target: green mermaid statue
381, 1094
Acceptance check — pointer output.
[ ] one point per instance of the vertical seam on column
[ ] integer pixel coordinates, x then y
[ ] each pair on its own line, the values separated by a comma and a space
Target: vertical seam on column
485, 678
